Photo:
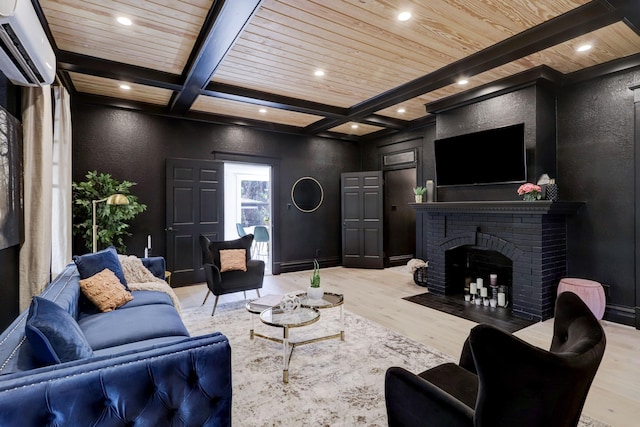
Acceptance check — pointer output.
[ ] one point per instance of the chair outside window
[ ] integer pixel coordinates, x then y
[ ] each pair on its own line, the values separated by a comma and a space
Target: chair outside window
241, 231
261, 239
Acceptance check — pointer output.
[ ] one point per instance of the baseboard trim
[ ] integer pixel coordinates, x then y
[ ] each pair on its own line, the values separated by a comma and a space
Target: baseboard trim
629, 316
307, 264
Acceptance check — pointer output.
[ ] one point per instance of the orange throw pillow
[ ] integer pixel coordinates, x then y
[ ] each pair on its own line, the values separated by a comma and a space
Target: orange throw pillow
105, 290
233, 259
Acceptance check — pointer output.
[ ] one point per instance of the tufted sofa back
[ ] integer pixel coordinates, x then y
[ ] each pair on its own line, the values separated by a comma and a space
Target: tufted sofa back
182, 384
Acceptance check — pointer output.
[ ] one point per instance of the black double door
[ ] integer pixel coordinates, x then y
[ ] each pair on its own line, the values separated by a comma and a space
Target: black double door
194, 206
378, 226
362, 220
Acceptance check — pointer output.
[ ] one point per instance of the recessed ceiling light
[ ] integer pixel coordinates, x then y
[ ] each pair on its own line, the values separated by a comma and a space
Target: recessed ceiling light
404, 16
319, 73
463, 82
262, 110
354, 126
124, 20
584, 47
401, 110
125, 87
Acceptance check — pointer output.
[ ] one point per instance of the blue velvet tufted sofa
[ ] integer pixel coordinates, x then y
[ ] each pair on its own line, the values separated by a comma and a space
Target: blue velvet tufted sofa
145, 369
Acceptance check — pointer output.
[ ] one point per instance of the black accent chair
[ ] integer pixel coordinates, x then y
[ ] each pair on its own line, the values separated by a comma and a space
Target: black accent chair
503, 381
220, 283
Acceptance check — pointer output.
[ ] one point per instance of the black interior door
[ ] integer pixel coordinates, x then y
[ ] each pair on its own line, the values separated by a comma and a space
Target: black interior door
399, 217
362, 220
195, 205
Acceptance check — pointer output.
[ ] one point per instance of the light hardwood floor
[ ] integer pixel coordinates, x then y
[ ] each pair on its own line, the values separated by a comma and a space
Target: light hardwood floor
614, 397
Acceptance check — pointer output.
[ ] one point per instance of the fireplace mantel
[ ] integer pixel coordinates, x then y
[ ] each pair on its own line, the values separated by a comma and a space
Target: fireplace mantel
540, 207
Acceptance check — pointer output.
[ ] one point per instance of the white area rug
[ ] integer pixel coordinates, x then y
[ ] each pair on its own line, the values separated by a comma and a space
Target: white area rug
331, 383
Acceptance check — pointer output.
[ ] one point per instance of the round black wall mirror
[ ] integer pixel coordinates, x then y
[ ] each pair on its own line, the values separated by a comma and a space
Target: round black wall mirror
307, 194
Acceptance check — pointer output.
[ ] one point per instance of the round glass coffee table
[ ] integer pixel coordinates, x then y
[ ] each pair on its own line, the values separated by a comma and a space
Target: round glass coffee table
278, 318
329, 300
270, 314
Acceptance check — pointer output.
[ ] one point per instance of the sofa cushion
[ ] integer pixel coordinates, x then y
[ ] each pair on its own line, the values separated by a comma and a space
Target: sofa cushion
147, 322
233, 259
53, 334
90, 264
105, 290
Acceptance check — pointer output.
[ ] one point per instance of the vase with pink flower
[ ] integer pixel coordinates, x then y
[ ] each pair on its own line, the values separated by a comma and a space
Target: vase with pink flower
530, 192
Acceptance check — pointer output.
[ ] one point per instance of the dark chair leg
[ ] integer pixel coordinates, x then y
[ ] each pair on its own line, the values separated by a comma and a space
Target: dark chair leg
206, 296
215, 303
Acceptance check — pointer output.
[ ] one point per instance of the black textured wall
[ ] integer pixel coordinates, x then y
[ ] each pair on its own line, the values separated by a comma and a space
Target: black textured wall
133, 146
596, 165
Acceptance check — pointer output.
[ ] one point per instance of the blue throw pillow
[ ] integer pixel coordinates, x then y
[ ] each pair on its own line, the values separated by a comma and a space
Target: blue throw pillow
92, 264
54, 334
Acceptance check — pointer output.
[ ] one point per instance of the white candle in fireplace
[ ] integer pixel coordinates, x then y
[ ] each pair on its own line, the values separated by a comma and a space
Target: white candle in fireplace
493, 278
473, 288
501, 299
483, 292
480, 282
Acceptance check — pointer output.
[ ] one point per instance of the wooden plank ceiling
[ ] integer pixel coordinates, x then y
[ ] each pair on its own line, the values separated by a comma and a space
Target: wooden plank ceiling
253, 62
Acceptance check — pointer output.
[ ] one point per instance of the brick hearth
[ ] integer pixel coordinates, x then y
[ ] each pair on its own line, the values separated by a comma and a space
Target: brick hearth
531, 234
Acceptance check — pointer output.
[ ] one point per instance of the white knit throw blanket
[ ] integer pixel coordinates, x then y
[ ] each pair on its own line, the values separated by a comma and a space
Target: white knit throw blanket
139, 278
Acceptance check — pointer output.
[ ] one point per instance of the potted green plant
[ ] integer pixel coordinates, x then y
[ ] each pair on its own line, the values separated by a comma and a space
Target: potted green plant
112, 220
315, 292
419, 192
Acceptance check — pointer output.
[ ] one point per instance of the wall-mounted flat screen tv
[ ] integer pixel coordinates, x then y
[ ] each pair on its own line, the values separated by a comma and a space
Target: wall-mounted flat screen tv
492, 156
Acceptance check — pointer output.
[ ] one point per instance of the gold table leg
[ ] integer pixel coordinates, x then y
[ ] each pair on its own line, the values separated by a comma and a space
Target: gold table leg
285, 358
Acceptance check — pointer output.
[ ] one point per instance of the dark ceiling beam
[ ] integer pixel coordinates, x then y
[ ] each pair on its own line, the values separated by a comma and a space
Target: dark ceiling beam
600, 70
384, 121
630, 9
266, 99
223, 26
160, 110
496, 88
579, 21
83, 64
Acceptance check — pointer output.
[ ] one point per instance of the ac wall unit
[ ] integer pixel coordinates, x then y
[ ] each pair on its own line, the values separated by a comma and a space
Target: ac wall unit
26, 57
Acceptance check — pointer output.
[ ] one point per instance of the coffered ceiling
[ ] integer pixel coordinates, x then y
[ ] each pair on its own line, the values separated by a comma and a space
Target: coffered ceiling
254, 63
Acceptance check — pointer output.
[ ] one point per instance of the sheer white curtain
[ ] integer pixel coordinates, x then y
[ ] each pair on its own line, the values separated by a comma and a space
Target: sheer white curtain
61, 215
37, 136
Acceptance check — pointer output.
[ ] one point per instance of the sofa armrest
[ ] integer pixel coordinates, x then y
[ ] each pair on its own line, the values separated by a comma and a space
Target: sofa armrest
414, 401
185, 383
155, 265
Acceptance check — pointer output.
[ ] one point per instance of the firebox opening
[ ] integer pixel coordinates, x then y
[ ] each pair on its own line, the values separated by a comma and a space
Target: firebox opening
466, 263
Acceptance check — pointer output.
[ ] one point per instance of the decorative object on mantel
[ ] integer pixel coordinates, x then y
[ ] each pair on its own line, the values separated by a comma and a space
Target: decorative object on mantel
430, 191
530, 192
315, 291
552, 191
419, 192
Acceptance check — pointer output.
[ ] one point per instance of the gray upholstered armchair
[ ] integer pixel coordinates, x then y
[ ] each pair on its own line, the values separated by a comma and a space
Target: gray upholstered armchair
503, 381
222, 282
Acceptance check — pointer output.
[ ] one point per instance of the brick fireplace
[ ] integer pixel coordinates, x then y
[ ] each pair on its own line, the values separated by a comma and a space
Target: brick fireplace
529, 239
